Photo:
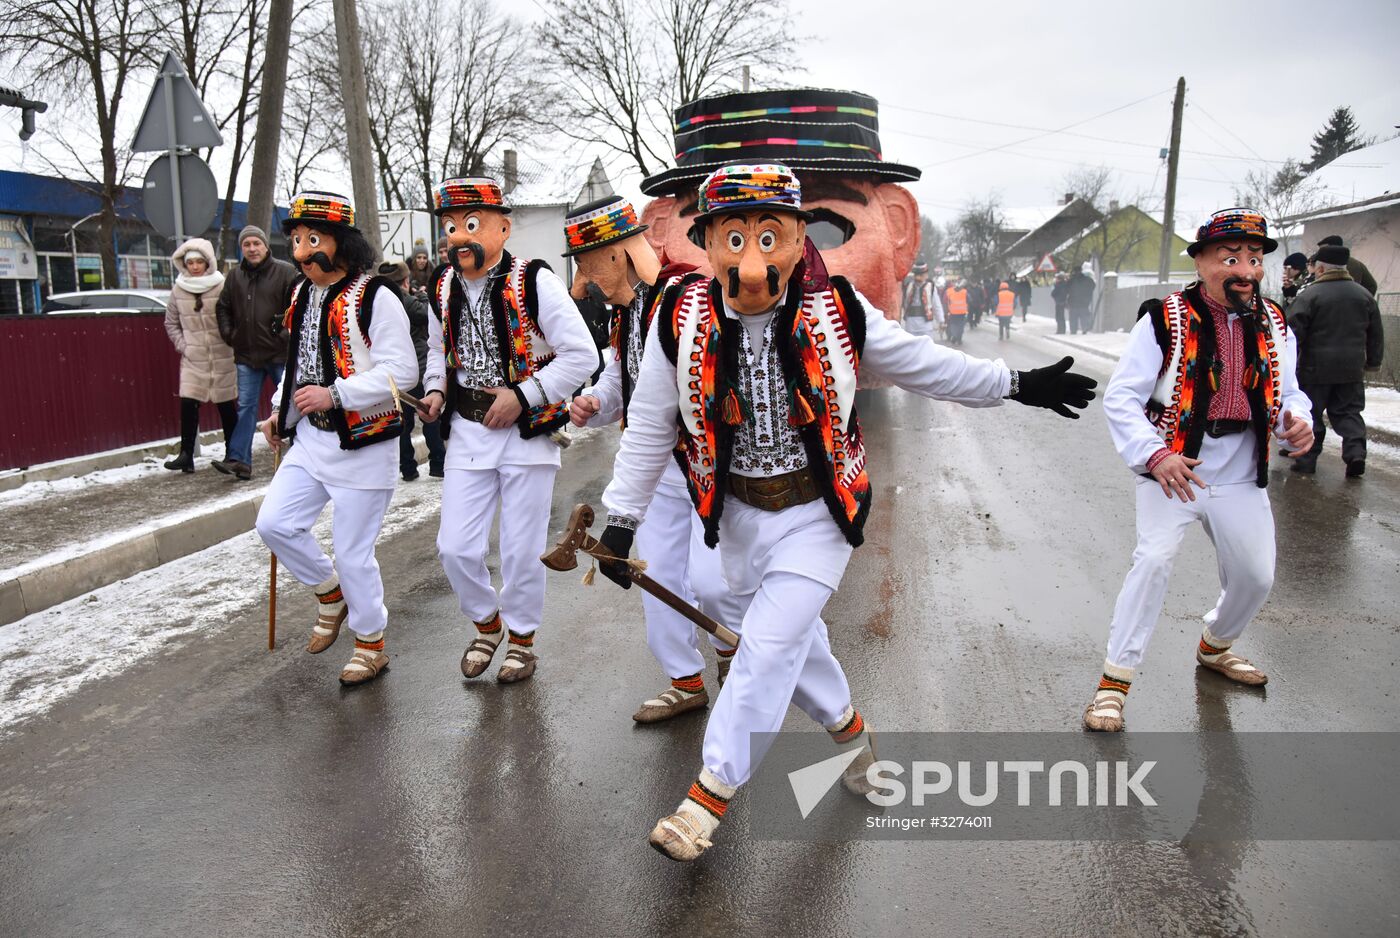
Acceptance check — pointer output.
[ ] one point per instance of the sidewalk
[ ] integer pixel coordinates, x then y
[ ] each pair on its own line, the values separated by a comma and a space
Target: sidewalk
1382, 414
72, 535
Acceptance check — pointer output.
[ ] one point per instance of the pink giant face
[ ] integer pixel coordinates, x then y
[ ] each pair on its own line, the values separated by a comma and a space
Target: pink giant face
867, 231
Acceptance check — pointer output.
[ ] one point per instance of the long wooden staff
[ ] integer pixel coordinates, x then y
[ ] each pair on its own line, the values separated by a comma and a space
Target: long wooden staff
272, 573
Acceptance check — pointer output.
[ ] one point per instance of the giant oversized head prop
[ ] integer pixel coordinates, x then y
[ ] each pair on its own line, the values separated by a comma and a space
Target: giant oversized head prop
610, 255
1229, 253
475, 221
865, 225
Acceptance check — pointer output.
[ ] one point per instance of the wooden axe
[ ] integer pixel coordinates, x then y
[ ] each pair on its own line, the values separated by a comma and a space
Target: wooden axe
576, 538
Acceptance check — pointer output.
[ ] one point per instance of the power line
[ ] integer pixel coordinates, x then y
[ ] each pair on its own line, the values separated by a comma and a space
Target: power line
1046, 131
1121, 107
1227, 129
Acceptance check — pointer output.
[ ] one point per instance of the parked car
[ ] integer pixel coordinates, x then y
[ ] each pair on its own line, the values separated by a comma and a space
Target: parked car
107, 301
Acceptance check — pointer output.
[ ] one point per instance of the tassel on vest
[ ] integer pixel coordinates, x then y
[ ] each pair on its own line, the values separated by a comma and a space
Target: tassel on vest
733, 409
800, 413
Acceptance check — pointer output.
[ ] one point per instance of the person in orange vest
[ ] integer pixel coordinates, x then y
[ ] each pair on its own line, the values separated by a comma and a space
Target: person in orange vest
956, 308
1006, 308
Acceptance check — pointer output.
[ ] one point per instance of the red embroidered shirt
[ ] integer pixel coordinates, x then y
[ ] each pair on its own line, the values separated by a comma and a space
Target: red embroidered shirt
1229, 401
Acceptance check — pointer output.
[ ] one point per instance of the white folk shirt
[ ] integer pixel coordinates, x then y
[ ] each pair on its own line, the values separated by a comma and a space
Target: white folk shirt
1226, 460
915, 363
473, 445
608, 391
391, 354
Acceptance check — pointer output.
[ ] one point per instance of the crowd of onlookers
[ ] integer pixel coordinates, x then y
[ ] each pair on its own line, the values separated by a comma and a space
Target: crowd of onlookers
948, 306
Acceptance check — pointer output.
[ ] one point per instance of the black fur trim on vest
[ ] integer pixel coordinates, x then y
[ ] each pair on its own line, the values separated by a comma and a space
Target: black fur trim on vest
327, 373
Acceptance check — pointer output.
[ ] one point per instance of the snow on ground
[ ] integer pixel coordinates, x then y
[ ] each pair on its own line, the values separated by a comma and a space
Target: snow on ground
35, 491
48, 656
82, 548
1383, 410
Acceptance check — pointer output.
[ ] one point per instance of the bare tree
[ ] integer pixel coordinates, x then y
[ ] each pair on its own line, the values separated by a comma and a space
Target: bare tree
976, 235
385, 91
628, 63
1122, 227
84, 52
710, 42
932, 242
309, 138
1280, 193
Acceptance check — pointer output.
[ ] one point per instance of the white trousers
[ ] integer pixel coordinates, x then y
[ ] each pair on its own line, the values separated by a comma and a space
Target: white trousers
1240, 524
672, 542
293, 502
785, 656
470, 498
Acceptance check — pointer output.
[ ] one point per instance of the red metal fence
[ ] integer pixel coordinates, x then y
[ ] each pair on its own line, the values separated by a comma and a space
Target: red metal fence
77, 384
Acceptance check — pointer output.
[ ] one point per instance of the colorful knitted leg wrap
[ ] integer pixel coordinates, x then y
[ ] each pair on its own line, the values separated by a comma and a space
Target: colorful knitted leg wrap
1212, 647
374, 642
522, 641
848, 728
710, 795
491, 626
693, 684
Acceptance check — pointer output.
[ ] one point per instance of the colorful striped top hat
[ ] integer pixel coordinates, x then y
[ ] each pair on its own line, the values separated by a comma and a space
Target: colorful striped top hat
746, 187
598, 223
806, 129
1232, 224
327, 208
452, 195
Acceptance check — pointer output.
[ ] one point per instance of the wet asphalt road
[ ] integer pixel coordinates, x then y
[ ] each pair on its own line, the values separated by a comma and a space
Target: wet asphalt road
218, 789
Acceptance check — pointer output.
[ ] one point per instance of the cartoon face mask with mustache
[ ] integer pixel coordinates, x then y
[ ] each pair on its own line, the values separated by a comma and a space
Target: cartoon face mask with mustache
314, 252
475, 239
753, 255
614, 269
1230, 271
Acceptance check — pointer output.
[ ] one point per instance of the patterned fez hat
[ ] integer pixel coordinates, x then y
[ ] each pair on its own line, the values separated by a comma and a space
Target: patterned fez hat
746, 187
1232, 224
598, 223
452, 195
326, 208
805, 129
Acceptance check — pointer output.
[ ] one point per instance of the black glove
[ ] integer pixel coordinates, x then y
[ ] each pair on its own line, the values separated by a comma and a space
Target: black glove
1054, 386
617, 540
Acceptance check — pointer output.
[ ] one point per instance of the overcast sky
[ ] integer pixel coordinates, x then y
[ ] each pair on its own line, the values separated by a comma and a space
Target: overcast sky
1270, 73
1261, 79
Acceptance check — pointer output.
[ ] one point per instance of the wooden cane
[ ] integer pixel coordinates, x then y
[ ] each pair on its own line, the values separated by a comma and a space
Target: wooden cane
272, 573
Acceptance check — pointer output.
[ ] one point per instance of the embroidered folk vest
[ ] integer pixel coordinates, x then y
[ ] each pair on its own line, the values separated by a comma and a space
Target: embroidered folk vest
344, 321
523, 348
1190, 375
820, 336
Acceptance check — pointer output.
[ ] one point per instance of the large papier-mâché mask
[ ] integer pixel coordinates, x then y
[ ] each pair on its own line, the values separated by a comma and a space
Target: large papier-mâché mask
615, 268
475, 238
753, 255
1232, 269
867, 232
313, 251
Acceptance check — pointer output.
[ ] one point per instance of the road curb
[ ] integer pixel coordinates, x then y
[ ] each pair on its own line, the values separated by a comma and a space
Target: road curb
68, 579
113, 459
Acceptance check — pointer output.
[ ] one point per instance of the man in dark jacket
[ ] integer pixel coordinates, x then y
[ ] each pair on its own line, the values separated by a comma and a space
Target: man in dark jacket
1295, 277
1079, 295
1359, 271
418, 310
1022, 287
249, 312
1338, 327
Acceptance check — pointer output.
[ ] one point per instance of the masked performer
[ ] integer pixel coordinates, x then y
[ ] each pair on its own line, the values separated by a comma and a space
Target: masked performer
507, 349
348, 338
616, 262
1207, 376
755, 373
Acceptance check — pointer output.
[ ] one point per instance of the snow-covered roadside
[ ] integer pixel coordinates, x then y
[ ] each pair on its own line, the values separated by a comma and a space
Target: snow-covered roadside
48, 656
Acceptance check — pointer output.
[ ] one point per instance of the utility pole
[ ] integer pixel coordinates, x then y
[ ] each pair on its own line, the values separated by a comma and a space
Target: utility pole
270, 100
1164, 259
356, 98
